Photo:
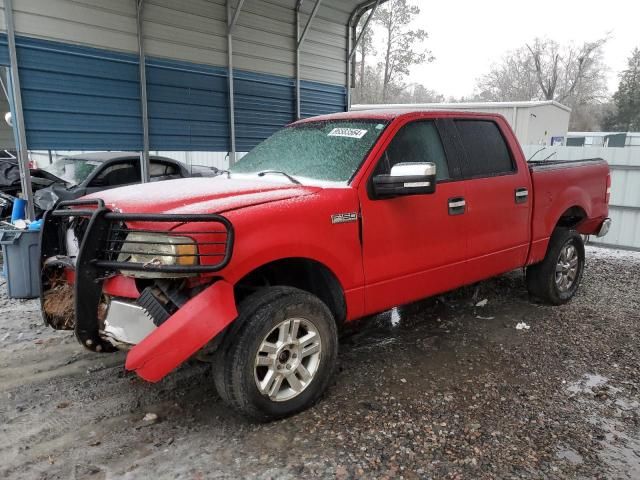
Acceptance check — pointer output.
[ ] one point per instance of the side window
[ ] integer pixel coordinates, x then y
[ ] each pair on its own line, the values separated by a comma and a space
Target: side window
486, 151
162, 171
117, 174
415, 142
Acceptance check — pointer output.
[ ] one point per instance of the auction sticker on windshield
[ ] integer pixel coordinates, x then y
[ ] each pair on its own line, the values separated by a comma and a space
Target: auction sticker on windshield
347, 132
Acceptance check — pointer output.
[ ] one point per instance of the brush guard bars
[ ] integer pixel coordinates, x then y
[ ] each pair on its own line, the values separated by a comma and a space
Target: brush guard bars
98, 257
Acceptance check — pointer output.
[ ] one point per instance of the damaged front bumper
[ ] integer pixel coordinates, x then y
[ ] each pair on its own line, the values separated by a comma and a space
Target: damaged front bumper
126, 324
109, 312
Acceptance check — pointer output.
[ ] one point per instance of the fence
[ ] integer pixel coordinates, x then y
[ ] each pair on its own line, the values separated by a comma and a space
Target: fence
624, 206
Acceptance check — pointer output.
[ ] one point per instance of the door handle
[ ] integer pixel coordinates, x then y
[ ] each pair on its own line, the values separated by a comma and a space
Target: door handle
457, 206
522, 195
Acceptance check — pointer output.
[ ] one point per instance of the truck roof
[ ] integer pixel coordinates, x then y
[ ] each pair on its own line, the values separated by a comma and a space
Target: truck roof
390, 114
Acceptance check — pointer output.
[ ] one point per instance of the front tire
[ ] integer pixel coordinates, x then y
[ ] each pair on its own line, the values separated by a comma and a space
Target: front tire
555, 280
281, 357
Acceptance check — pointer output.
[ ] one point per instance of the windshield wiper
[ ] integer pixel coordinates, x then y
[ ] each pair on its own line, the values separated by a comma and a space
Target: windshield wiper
280, 172
535, 153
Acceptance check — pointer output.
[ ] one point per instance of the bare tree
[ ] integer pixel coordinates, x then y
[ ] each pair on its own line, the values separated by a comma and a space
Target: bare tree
569, 74
365, 48
513, 78
417, 93
400, 52
590, 117
370, 88
545, 70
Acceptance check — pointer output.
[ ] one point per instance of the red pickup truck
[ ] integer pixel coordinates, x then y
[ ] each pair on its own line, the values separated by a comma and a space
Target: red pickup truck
331, 219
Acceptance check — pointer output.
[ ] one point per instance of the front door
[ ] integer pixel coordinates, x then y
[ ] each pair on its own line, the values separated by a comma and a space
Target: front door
413, 246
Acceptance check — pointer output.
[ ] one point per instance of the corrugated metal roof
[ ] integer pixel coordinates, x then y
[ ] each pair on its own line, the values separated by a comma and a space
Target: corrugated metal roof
80, 81
195, 31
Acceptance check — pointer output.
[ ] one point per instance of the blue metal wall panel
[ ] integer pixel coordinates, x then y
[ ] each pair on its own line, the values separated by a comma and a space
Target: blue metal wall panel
82, 98
263, 104
321, 98
188, 106
4, 50
78, 97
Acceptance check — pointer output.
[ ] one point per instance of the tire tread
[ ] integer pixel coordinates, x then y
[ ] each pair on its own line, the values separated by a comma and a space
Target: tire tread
540, 278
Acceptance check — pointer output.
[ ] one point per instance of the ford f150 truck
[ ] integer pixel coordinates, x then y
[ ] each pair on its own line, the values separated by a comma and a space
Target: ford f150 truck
330, 219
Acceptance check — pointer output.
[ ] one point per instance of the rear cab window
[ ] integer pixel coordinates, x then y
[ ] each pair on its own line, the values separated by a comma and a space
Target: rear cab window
486, 151
159, 170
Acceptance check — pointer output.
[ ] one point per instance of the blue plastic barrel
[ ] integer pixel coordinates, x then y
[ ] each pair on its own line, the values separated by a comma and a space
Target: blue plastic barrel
19, 209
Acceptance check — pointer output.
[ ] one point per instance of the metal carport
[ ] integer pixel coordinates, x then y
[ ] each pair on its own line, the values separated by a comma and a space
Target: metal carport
219, 75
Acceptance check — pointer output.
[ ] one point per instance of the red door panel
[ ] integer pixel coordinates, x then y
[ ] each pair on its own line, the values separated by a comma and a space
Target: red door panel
498, 207
498, 227
412, 247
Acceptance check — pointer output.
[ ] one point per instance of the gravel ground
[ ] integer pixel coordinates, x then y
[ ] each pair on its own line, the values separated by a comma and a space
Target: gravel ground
438, 389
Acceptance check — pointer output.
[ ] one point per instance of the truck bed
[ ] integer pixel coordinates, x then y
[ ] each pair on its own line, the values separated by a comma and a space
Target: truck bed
578, 186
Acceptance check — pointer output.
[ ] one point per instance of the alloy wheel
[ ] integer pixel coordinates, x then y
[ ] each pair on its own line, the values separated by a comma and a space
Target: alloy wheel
288, 359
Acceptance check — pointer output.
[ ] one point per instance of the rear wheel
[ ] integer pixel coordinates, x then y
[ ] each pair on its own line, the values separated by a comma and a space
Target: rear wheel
555, 280
281, 358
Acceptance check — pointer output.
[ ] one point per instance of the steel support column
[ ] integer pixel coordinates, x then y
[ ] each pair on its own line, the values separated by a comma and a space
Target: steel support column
299, 41
232, 18
298, 7
144, 155
364, 30
352, 41
18, 117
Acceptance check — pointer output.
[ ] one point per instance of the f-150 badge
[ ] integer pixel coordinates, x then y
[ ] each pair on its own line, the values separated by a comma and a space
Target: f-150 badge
344, 217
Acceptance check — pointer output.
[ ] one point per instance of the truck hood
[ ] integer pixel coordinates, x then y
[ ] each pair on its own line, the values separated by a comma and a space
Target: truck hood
199, 195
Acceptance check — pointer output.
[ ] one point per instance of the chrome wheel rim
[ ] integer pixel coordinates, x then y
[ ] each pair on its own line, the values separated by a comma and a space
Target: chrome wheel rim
288, 359
567, 267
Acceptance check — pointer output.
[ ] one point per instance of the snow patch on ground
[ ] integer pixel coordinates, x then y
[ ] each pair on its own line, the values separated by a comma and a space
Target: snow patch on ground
611, 253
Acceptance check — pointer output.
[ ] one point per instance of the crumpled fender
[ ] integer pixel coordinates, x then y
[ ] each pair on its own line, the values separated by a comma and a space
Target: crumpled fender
184, 333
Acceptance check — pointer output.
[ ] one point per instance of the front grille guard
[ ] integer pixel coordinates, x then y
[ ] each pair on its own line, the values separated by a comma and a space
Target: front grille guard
108, 226
98, 253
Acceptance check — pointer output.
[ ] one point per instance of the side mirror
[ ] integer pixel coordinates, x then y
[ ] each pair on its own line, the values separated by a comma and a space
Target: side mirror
406, 179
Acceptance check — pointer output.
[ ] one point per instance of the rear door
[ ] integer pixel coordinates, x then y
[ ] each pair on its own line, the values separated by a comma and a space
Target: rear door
497, 196
413, 246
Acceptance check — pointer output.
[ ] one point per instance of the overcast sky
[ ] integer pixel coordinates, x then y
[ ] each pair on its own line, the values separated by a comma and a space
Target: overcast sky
467, 36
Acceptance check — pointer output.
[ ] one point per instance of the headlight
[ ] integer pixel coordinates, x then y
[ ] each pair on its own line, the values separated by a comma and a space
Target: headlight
158, 249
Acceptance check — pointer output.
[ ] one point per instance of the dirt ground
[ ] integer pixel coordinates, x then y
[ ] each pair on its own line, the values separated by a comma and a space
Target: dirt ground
444, 388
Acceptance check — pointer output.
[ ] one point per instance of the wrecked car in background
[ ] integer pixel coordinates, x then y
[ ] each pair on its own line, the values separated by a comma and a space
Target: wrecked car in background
79, 175
331, 219
75, 176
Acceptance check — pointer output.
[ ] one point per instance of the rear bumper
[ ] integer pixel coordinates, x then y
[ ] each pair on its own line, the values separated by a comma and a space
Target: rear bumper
604, 227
